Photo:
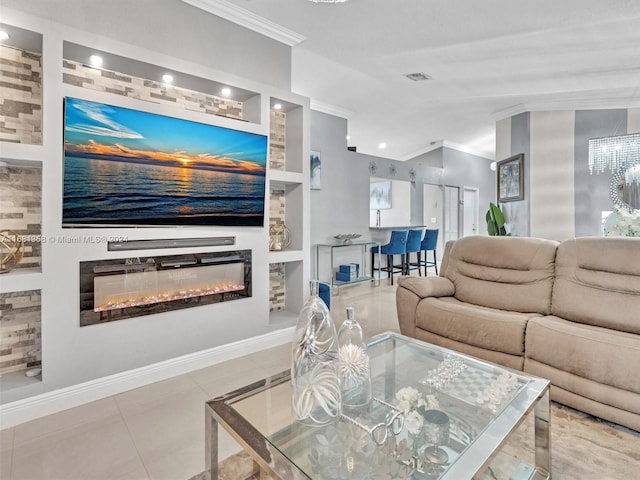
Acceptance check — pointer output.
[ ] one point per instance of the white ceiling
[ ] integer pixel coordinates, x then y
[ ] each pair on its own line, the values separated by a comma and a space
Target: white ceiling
489, 59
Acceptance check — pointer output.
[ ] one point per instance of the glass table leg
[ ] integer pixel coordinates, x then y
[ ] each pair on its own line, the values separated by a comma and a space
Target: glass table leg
211, 446
542, 428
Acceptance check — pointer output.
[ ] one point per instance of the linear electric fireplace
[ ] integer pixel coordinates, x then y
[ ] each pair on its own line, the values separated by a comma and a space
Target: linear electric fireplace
116, 289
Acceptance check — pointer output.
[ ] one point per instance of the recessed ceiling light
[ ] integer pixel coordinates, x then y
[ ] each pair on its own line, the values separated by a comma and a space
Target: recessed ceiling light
226, 91
382, 146
277, 106
95, 60
4, 35
167, 78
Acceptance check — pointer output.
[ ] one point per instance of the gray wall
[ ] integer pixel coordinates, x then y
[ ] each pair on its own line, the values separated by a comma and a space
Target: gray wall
173, 28
467, 170
342, 203
592, 191
517, 213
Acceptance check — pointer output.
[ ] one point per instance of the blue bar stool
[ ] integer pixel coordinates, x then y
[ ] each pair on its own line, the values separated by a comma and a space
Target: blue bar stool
414, 242
429, 244
324, 292
397, 246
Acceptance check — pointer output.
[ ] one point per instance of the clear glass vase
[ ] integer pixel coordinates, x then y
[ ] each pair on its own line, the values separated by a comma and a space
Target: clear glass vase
315, 387
353, 364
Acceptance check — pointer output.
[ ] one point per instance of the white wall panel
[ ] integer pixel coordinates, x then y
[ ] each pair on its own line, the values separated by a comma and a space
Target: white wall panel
552, 175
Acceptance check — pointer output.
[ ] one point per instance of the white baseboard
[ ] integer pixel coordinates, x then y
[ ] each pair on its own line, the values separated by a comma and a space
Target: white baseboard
20, 411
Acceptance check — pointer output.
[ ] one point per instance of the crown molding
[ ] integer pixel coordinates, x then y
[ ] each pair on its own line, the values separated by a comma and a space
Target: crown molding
586, 102
509, 112
447, 144
422, 151
331, 109
247, 19
469, 150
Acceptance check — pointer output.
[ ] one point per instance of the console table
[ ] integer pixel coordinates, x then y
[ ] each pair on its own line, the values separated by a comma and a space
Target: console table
362, 245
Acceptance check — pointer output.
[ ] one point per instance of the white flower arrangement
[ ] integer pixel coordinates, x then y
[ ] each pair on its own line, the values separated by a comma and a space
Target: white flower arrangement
353, 366
413, 404
622, 223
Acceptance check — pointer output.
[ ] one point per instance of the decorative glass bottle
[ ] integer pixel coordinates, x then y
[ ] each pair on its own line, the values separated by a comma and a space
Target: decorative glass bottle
315, 387
353, 364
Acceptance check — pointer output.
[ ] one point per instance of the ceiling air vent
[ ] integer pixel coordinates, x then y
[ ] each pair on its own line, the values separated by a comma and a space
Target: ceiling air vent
418, 77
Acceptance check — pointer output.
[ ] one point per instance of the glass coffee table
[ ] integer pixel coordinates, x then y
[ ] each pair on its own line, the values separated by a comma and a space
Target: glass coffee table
435, 414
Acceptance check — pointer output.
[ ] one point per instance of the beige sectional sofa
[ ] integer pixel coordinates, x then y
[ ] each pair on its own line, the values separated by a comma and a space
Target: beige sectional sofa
569, 312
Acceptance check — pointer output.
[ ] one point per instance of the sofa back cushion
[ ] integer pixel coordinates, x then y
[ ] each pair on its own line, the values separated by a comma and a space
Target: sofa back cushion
507, 273
598, 282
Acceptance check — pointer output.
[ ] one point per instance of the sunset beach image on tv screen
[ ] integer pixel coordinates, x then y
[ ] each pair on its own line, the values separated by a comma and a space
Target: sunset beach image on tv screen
133, 168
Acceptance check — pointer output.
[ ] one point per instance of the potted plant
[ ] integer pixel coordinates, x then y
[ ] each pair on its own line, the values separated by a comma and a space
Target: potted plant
495, 221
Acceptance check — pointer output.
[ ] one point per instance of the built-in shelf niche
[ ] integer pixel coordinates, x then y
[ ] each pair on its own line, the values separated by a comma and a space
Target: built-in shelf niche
286, 291
286, 136
21, 92
20, 327
137, 79
290, 201
21, 198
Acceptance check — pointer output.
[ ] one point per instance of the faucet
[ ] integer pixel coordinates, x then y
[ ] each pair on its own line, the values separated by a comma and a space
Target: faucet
378, 218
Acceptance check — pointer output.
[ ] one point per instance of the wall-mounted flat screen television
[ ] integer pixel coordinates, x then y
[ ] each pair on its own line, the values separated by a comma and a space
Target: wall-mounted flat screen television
126, 167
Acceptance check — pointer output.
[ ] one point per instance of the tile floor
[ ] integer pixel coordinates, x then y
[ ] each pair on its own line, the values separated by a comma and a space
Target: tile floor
156, 432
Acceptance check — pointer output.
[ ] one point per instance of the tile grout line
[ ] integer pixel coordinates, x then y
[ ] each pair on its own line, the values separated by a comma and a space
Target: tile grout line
13, 444
126, 425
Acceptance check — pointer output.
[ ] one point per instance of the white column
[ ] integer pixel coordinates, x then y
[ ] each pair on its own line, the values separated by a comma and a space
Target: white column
552, 200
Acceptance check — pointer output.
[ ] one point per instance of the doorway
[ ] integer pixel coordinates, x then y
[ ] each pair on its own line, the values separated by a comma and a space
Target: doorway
433, 212
452, 213
470, 212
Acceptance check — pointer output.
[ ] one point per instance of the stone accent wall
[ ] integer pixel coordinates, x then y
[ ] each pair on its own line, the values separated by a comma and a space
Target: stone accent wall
21, 209
20, 96
80, 75
277, 128
19, 330
277, 292
277, 137
276, 206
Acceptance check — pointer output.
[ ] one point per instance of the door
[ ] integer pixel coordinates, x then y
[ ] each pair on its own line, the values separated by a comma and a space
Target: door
470, 214
433, 211
451, 213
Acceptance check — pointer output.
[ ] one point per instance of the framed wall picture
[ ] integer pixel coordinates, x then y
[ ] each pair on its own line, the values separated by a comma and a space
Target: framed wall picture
380, 195
316, 167
511, 179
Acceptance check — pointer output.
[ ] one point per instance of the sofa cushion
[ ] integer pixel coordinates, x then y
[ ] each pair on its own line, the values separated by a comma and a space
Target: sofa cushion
611, 403
482, 327
598, 282
600, 354
505, 273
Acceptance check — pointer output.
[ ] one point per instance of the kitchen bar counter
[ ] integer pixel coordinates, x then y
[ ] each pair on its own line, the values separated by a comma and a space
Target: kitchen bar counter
383, 234
398, 227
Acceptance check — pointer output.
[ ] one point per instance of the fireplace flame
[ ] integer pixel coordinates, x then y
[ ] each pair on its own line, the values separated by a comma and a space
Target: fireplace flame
151, 298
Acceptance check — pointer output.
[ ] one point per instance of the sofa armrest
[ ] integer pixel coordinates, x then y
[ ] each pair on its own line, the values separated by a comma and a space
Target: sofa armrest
428, 286
411, 290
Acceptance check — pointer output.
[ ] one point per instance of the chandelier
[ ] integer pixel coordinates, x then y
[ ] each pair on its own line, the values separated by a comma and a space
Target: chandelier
613, 153
632, 175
